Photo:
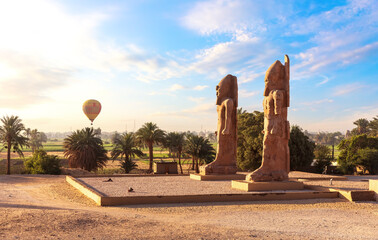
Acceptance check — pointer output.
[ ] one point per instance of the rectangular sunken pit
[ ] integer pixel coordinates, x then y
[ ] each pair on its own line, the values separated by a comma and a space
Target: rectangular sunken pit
152, 189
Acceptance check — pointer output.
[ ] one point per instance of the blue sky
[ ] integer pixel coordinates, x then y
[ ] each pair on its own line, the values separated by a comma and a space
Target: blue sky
160, 60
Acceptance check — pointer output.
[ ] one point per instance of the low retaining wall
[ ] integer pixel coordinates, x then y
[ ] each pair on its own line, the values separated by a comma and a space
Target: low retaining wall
104, 200
373, 186
352, 195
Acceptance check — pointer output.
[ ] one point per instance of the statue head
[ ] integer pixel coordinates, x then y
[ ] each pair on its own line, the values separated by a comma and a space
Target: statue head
275, 78
227, 88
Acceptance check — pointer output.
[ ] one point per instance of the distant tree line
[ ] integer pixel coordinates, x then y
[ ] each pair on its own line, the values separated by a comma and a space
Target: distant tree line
250, 143
85, 149
14, 137
358, 149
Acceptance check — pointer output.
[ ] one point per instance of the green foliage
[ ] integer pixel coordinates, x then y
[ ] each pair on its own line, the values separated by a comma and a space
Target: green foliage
250, 143
114, 136
301, 149
328, 138
175, 142
125, 146
250, 139
323, 157
200, 149
148, 135
84, 149
127, 165
357, 151
368, 158
35, 139
362, 126
42, 163
11, 137
373, 125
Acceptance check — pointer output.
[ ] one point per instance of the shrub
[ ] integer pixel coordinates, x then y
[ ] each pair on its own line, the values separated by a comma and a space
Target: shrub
127, 165
250, 140
323, 157
368, 158
301, 149
356, 151
42, 163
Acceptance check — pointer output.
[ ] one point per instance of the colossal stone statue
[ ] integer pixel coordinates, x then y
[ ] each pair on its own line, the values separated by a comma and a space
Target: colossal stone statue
276, 156
227, 102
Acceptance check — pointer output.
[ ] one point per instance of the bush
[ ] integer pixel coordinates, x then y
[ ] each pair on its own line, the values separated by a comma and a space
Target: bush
41, 163
127, 165
368, 158
250, 140
323, 157
356, 151
301, 149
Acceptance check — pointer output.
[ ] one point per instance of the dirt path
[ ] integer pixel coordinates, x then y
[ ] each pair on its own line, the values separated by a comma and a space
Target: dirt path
45, 207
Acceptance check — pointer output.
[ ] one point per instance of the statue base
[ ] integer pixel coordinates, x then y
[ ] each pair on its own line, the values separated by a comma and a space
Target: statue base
248, 186
212, 169
217, 177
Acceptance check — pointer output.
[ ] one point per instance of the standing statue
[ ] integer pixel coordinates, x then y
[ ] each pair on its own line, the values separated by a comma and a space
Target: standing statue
276, 156
227, 102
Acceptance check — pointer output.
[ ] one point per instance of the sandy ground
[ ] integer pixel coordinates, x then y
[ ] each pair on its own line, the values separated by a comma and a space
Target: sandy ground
46, 207
158, 186
183, 185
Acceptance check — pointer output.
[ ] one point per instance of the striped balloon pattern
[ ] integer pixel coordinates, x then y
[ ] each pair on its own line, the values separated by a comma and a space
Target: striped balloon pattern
91, 109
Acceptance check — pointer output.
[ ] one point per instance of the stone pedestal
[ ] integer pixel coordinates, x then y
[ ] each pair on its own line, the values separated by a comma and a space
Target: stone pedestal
165, 168
215, 177
266, 186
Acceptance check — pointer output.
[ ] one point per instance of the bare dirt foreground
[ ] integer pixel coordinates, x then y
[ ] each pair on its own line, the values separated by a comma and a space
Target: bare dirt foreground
46, 207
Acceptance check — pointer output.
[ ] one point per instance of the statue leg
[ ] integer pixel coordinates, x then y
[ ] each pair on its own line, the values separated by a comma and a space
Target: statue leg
271, 169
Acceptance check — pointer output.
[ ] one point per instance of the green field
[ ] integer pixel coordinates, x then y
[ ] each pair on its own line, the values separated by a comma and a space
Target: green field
55, 146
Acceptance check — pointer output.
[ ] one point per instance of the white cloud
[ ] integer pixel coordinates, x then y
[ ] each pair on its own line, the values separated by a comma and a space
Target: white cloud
160, 93
219, 16
44, 48
317, 102
244, 93
341, 36
246, 59
244, 22
197, 99
200, 87
200, 109
240, 18
325, 80
176, 87
347, 88
340, 122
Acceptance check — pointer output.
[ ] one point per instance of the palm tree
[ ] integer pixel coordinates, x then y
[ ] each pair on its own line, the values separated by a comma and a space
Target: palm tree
125, 146
373, 125
175, 142
27, 132
200, 149
35, 139
362, 125
148, 135
84, 149
10, 136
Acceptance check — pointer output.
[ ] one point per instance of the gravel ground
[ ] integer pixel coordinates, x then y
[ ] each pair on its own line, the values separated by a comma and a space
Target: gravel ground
183, 185
46, 207
154, 186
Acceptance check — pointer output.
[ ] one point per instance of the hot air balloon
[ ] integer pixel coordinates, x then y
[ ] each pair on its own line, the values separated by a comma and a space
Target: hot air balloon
91, 109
